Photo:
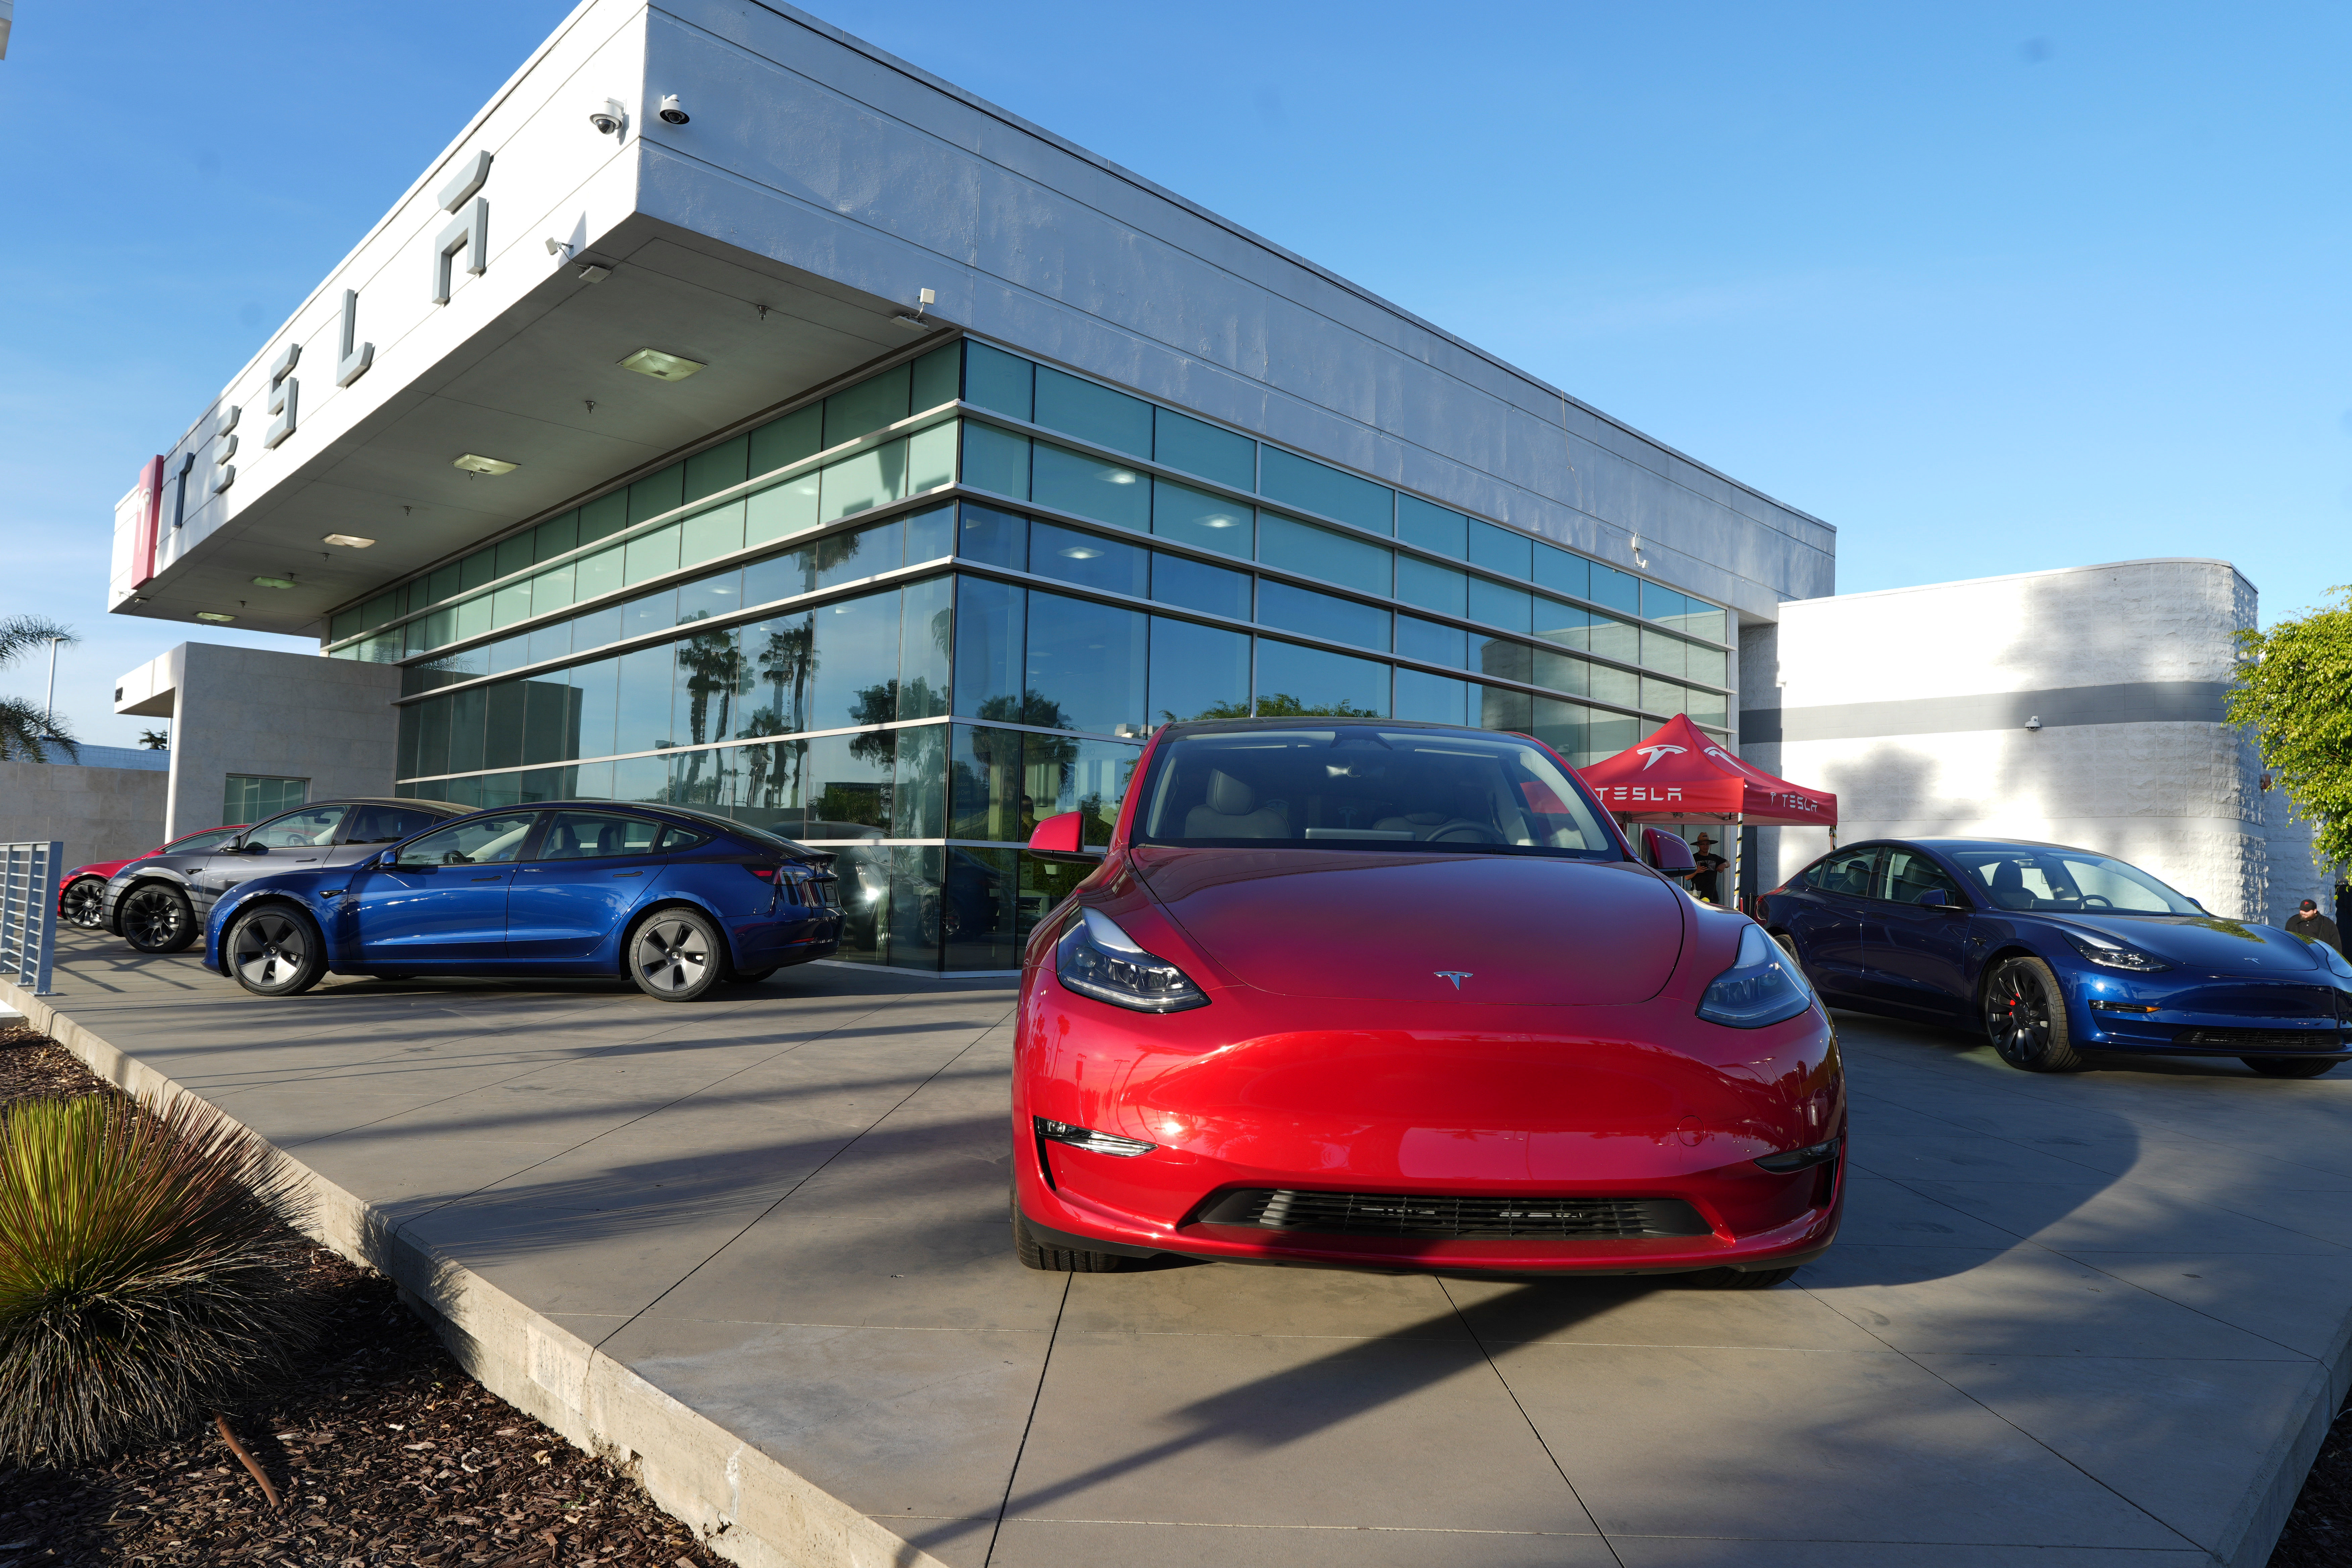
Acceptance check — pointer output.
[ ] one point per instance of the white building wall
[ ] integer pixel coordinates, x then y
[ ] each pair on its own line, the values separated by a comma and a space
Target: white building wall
1913, 704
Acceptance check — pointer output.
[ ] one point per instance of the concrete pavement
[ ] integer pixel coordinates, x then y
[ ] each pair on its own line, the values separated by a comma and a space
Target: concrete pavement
760, 1244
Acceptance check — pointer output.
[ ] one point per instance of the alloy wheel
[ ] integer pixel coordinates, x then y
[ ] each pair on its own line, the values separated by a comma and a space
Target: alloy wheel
671, 955
269, 951
2017, 1016
153, 918
85, 903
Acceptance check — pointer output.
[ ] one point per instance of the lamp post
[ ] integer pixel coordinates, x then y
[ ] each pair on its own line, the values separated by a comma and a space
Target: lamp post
49, 708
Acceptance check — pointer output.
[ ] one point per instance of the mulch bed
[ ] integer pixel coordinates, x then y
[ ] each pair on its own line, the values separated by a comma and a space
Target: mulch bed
384, 1450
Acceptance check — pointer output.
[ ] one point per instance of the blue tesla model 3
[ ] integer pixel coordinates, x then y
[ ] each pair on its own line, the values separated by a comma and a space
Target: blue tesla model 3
678, 901
2055, 951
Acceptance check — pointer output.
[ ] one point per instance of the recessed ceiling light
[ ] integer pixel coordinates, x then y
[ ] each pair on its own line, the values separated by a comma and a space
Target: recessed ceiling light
214, 616
349, 540
1080, 553
273, 582
661, 366
478, 465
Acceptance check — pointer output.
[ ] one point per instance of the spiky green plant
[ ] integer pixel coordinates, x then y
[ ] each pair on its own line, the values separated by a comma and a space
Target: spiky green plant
143, 1283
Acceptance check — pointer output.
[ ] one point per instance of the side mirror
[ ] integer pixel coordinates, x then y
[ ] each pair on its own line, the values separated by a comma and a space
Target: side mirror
383, 861
1939, 898
1061, 840
253, 848
1666, 852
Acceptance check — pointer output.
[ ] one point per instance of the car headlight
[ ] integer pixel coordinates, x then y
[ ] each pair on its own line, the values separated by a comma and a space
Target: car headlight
2336, 964
1092, 1137
1096, 958
1762, 986
2110, 955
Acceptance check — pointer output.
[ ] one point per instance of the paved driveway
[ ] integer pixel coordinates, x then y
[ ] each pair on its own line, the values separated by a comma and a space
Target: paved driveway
2093, 1320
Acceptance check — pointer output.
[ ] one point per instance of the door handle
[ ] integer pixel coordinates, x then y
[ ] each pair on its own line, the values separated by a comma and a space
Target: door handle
628, 873
482, 878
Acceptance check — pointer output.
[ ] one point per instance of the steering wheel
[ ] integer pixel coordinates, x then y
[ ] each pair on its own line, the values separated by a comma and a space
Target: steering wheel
1461, 830
2099, 899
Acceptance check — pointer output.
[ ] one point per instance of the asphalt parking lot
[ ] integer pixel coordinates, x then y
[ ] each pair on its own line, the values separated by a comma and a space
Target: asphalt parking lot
2084, 1320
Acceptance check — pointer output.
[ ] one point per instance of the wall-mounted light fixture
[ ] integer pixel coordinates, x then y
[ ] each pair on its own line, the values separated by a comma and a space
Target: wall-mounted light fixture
2034, 722
594, 272
924, 300
349, 540
474, 464
662, 367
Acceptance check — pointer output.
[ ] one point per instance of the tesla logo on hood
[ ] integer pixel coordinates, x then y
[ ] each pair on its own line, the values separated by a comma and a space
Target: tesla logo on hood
1456, 975
1658, 754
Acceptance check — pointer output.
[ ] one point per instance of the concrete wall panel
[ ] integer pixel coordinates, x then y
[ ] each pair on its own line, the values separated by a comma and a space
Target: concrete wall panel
100, 814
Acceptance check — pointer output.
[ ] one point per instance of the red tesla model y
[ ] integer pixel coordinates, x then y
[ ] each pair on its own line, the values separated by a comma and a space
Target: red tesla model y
1367, 993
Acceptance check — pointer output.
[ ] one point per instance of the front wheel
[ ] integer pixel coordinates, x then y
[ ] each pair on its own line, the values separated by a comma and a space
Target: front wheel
676, 956
2289, 1067
158, 918
84, 904
275, 950
2025, 1017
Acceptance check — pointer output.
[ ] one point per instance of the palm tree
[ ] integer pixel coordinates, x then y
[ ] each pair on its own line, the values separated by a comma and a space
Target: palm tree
26, 733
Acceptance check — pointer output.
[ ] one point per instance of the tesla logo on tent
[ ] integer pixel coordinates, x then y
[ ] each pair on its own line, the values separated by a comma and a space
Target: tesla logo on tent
1456, 975
1658, 754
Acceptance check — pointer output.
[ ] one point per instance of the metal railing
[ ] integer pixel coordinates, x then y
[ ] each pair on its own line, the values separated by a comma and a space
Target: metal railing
28, 912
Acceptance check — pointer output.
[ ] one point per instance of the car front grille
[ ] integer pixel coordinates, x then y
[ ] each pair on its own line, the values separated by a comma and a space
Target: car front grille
1460, 1217
2263, 1039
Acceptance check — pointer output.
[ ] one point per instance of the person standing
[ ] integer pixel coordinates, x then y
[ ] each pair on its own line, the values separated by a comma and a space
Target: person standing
1708, 881
2308, 923
2343, 905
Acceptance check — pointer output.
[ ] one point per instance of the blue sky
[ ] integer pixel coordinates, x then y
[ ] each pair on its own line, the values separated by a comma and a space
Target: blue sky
1992, 288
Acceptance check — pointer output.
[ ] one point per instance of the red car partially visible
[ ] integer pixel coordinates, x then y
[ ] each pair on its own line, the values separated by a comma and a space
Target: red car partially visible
81, 893
1360, 992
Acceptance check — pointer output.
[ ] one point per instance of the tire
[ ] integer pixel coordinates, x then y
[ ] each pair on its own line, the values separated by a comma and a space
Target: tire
676, 956
157, 917
2289, 1067
1734, 1278
2025, 1017
275, 949
84, 904
1036, 1253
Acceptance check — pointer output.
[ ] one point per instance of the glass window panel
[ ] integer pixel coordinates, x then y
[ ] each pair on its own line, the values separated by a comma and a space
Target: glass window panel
1505, 659
344, 625
725, 465
847, 557
603, 517
1044, 886
642, 778
473, 617
663, 490
995, 460
1085, 665
1431, 587
846, 785
1705, 706
710, 683
1197, 518
598, 686
1560, 671
1204, 450
466, 710
863, 481
1432, 527
1707, 664
930, 457
1501, 549
980, 919
465, 792
1618, 589
926, 647
651, 555
1662, 653
1417, 638
778, 663
931, 535
1089, 560
554, 537
988, 799
376, 611
1495, 604
707, 535
1106, 492
1093, 414
550, 720
1302, 482
1321, 614
1499, 709
999, 538
781, 442
1607, 734
916, 916
859, 410
548, 642
444, 584
1438, 698
1291, 679
1616, 639
1562, 727
596, 575
780, 576
1314, 552
653, 613
988, 625
768, 780
1563, 572
1663, 695
997, 380
1197, 585
592, 781
474, 572
646, 677
1563, 625
1063, 773
404, 765
782, 510
856, 678
918, 795
1621, 687
543, 785
552, 590
937, 376
433, 737
1662, 604
597, 628
1198, 672
510, 604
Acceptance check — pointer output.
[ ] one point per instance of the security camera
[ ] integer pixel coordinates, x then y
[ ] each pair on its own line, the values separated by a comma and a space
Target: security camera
609, 118
670, 113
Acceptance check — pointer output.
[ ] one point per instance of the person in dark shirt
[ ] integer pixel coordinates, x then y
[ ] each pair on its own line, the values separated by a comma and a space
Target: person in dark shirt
2308, 923
1708, 881
2343, 905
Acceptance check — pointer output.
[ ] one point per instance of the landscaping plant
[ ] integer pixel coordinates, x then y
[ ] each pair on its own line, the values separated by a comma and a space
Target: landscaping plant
141, 1286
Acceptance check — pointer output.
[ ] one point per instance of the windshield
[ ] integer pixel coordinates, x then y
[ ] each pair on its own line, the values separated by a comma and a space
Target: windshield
2074, 881
1366, 787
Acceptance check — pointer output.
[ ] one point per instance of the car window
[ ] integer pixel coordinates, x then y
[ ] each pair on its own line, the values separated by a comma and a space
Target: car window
387, 824
674, 839
594, 834
474, 841
2031, 878
1850, 872
2113, 885
1908, 874
198, 843
313, 827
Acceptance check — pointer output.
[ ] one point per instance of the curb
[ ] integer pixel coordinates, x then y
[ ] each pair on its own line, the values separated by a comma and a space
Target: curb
742, 1504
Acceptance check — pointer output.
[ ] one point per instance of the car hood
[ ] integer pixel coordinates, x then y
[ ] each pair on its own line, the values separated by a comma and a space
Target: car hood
2207, 942
1520, 930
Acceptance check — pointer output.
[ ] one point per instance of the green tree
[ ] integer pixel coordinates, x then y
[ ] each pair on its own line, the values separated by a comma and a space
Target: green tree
2294, 695
1282, 705
26, 734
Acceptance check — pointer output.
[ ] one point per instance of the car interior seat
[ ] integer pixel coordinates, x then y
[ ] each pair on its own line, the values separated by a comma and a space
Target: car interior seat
1230, 811
2008, 889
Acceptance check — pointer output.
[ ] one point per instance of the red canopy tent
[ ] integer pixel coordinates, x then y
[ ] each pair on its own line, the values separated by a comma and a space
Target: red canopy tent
1678, 773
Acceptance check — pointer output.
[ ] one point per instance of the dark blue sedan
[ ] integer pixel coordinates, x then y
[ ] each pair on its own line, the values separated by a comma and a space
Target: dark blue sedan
2055, 951
678, 901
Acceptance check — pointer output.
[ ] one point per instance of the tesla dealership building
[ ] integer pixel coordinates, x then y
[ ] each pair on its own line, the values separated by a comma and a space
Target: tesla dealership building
735, 416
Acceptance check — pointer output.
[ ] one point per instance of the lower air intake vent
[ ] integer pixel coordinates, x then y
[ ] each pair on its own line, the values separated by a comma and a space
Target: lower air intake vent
2263, 1039
1468, 1218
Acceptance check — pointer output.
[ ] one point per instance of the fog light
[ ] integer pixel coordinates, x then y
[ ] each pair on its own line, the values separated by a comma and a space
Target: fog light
1801, 1159
1078, 1137
2100, 1005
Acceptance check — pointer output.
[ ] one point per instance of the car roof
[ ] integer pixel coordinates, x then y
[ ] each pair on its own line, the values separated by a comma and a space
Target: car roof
1326, 721
654, 808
